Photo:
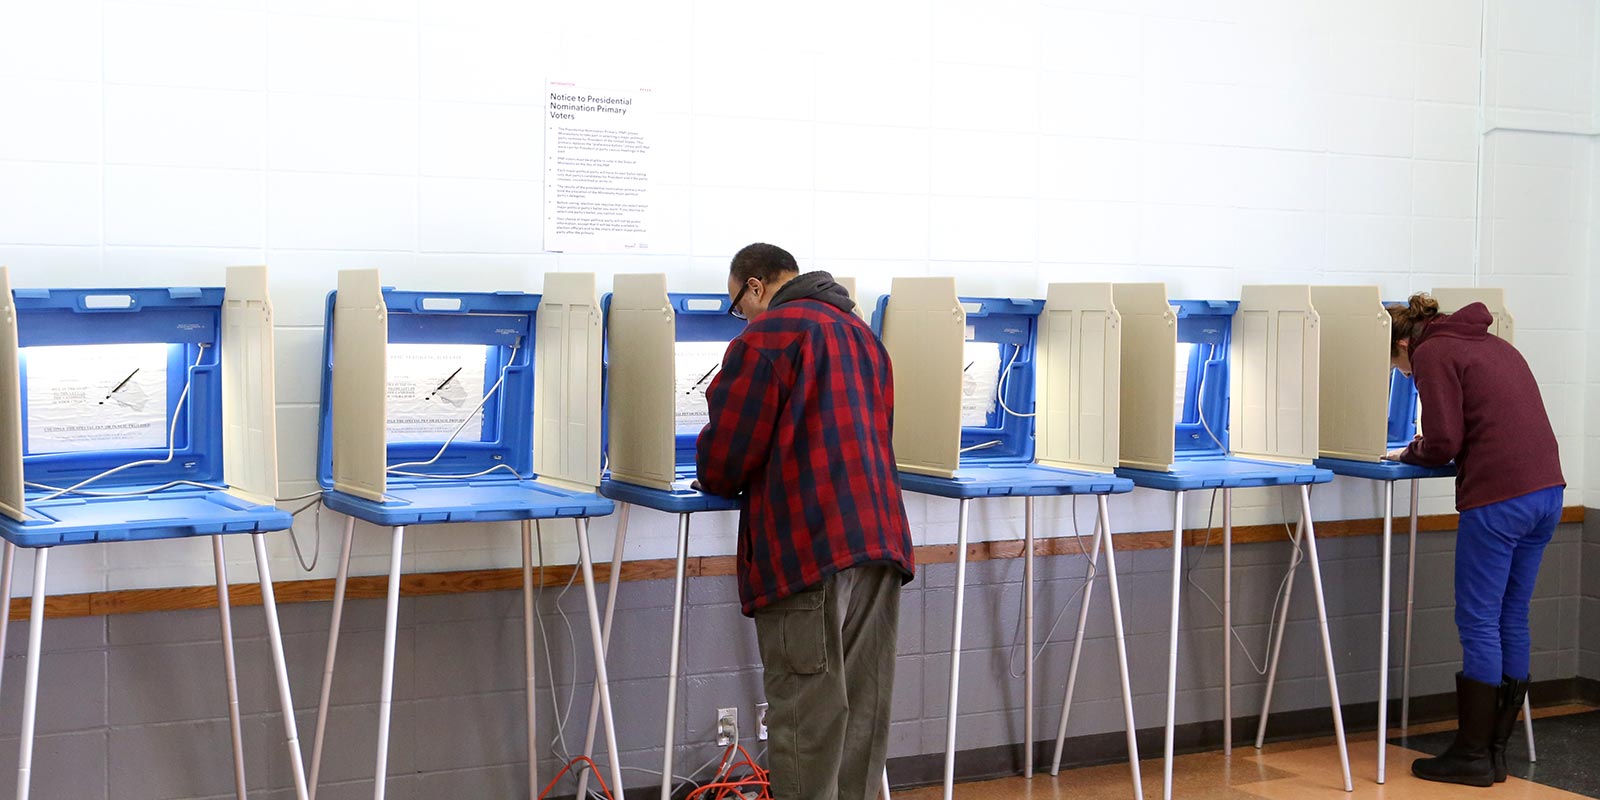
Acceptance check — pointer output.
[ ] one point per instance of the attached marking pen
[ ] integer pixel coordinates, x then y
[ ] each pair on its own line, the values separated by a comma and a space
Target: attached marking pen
120, 385
714, 368
442, 384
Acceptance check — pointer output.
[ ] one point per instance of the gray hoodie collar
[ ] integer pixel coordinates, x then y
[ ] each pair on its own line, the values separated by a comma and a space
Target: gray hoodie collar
816, 285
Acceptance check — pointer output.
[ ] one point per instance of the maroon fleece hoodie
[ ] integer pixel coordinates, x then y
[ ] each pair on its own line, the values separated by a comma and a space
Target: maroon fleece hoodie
1480, 407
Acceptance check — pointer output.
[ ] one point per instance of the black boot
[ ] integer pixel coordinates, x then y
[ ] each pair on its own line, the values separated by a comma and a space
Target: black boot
1467, 762
1509, 704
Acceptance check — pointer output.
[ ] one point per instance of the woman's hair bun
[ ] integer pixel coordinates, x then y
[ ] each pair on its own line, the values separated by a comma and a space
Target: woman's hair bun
1407, 320
1422, 305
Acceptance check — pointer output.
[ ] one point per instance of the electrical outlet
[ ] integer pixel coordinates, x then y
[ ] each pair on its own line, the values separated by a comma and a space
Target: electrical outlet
761, 721
727, 726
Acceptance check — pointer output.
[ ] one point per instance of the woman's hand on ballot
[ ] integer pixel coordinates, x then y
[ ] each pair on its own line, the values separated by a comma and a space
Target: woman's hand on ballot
1396, 454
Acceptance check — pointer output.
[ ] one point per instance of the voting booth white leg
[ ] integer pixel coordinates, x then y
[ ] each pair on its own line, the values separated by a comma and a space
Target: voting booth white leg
955, 653
1077, 649
230, 671
339, 581
1027, 669
612, 583
528, 621
30, 684
1172, 642
269, 606
1327, 640
1122, 650
674, 652
1527, 722
391, 624
10, 559
601, 682
1411, 602
1383, 631
885, 792
1227, 622
1277, 637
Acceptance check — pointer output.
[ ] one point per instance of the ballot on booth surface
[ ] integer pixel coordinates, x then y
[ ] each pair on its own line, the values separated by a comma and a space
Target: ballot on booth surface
84, 398
431, 388
696, 365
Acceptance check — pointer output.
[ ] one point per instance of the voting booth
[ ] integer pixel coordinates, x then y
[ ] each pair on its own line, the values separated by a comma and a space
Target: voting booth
1236, 384
1368, 409
969, 374
662, 351
461, 407
1077, 427
131, 415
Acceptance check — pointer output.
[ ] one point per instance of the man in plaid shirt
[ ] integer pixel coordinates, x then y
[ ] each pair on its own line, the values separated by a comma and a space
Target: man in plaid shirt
801, 420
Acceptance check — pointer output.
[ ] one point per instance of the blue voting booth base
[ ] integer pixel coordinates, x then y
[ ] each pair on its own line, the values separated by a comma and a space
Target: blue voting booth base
1015, 480
430, 502
681, 500
1386, 471
1225, 472
169, 515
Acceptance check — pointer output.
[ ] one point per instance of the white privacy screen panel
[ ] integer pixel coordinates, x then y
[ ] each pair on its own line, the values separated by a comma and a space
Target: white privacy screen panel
1453, 300
567, 382
924, 330
1079, 378
849, 284
641, 390
1275, 369
1149, 364
1355, 367
360, 370
11, 491
249, 397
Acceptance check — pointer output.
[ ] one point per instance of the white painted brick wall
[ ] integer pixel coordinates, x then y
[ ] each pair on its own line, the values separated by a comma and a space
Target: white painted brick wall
1206, 144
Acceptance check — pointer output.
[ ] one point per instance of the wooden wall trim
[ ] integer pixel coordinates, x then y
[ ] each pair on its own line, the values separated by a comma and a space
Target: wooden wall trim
134, 601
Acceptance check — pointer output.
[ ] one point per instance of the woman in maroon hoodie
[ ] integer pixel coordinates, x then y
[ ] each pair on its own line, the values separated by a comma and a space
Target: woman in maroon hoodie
1481, 409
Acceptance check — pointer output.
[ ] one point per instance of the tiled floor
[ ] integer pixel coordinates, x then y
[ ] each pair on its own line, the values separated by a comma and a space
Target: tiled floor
1304, 770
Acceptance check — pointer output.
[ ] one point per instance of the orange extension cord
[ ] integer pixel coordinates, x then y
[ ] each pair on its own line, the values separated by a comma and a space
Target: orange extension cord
604, 790
754, 785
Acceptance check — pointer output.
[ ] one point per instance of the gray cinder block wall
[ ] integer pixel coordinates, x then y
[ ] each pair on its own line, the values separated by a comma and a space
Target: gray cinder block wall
1589, 602
133, 707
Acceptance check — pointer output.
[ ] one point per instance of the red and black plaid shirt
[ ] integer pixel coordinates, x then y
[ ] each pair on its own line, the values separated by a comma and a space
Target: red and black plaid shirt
801, 419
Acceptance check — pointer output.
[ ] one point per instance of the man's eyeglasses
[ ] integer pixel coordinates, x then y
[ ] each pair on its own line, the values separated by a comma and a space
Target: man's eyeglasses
734, 309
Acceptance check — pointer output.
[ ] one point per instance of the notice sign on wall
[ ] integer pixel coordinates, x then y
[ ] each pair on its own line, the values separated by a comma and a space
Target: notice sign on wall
597, 159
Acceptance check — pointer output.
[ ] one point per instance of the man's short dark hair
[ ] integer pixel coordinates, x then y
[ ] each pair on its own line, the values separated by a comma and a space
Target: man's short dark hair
764, 262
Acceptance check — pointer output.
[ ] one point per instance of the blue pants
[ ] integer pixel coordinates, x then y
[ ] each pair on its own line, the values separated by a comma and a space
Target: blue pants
1498, 549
